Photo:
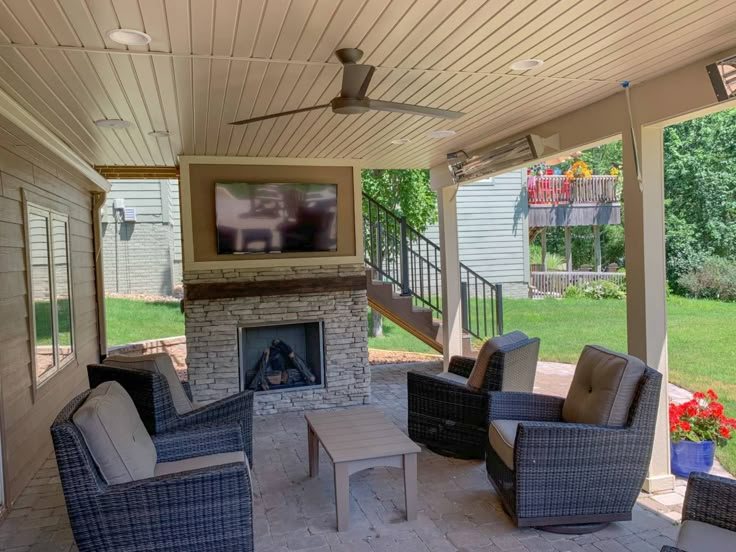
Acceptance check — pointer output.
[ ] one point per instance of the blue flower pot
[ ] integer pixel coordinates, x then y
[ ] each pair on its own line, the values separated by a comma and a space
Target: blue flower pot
688, 456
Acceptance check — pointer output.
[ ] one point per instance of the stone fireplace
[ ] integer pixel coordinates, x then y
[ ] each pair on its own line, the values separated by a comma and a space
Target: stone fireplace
234, 315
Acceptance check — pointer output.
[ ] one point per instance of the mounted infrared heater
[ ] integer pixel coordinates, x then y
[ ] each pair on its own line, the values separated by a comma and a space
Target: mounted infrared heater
723, 78
498, 158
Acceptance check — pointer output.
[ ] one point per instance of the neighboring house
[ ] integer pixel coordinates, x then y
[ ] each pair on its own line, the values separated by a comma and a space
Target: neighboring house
142, 237
493, 231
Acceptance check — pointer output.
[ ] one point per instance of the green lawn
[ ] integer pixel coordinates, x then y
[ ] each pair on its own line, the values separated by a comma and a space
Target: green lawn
129, 320
702, 354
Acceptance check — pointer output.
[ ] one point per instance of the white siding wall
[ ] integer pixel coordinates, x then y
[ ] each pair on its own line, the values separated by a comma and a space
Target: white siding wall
143, 256
493, 231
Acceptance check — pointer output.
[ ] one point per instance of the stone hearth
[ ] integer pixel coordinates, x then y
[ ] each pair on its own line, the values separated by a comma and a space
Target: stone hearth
213, 320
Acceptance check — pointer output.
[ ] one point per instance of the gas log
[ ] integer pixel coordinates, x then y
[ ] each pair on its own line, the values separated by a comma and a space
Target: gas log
273, 368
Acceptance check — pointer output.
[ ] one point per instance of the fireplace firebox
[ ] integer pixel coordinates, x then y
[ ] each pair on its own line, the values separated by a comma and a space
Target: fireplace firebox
278, 357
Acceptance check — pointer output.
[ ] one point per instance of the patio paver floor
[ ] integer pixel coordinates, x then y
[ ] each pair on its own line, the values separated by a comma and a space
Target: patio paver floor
458, 509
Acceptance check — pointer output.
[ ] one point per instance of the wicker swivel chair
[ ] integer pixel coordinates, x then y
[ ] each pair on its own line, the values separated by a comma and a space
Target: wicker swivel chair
573, 465
708, 515
449, 412
200, 500
164, 403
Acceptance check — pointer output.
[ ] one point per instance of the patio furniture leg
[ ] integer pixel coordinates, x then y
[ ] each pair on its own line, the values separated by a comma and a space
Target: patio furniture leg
410, 486
313, 453
342, 495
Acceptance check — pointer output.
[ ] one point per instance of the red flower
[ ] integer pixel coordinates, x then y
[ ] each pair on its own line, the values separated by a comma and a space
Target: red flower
725, 432
716, 409
685, 426
699, 395
691, 409
712, 394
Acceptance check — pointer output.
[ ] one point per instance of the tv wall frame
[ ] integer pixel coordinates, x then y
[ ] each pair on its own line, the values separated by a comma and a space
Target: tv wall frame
189, 259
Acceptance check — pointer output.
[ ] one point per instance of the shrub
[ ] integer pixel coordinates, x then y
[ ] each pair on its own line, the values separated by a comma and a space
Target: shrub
599, 289
716, 279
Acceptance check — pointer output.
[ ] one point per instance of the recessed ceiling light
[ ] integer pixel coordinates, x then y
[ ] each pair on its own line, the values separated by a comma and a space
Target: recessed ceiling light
159, 133
129, 37
441, 133
526, 64
400, 141
112, 123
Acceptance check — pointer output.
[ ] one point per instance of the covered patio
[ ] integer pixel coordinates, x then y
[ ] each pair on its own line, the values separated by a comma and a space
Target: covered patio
267, 111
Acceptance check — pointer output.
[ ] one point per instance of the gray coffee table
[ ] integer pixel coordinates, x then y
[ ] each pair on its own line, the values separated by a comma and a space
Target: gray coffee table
358, 439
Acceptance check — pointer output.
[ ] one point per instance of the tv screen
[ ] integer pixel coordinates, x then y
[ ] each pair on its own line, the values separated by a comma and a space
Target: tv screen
275, 217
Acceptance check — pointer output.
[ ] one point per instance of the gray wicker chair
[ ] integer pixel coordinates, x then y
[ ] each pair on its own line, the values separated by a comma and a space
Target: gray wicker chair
452, 418
152, 397
204, 509
572, 477
709, 499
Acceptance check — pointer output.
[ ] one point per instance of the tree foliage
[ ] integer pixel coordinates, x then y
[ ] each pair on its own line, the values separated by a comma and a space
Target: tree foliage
404, 192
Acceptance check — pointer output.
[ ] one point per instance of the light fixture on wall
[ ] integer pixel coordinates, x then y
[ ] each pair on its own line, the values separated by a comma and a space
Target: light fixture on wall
526, 64
112, 123
723, 78
129, 37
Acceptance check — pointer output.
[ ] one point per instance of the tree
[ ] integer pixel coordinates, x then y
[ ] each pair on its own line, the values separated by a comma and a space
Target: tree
406, 193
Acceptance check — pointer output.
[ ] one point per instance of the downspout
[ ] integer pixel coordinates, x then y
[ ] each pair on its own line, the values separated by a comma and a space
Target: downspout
98, 204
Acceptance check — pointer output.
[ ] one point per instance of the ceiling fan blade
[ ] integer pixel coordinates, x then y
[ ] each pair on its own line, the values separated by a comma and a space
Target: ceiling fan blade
282, 114
355, 80
409, 109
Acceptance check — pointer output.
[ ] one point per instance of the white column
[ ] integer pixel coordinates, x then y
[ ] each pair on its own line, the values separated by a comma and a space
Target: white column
544, 250
597, 247
646, 306
568, 249
452, 331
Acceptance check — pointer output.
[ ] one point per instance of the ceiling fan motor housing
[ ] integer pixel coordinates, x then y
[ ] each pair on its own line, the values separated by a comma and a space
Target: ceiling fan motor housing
350, 106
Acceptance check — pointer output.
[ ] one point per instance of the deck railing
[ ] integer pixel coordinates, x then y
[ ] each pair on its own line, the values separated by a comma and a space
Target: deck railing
559, 190
554, 283
409, 260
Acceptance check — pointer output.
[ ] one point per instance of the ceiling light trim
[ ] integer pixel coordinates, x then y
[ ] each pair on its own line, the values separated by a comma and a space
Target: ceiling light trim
129, 37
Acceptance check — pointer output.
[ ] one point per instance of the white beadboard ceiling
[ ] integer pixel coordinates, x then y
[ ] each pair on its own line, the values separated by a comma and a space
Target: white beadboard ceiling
214, 61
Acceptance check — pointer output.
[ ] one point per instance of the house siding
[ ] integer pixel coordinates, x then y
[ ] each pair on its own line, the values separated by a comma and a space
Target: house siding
493, 231
25, 419
143, 256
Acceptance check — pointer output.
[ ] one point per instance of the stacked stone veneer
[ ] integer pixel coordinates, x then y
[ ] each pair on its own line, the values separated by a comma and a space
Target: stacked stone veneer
212, 337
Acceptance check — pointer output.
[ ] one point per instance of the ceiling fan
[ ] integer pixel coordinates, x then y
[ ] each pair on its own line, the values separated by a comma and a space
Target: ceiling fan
356, 78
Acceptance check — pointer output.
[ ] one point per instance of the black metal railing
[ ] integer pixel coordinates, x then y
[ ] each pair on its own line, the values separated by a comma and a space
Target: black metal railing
403, 256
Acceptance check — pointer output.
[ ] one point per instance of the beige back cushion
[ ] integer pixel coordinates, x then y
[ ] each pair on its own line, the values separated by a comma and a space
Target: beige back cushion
478, 375
159, 363
115, 435
603, 387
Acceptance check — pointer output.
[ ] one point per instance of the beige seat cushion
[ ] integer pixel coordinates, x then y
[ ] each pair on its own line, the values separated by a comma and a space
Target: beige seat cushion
696, 536
115, 435
603, 387
159, 363
452, 378
502, 436
478, 375
189, 464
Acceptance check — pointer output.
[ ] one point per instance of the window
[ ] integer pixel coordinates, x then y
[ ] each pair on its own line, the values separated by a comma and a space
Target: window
51, 291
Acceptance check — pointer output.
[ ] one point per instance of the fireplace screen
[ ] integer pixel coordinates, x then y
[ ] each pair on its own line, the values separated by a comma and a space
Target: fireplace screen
284, 356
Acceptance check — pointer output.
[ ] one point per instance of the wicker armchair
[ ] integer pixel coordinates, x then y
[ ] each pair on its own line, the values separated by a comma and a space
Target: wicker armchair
203, 509
152, 397
571, 477
709, 499
450, 417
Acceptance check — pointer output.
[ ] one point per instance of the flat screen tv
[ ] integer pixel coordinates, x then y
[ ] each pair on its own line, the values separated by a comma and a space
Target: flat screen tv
275, 217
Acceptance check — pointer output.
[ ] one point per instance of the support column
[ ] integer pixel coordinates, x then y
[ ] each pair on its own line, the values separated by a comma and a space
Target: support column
646, 306
568, 249
544, 249
597, 247
452, 331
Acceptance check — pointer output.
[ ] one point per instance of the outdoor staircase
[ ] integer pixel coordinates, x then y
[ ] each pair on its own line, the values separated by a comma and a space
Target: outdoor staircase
404, 276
